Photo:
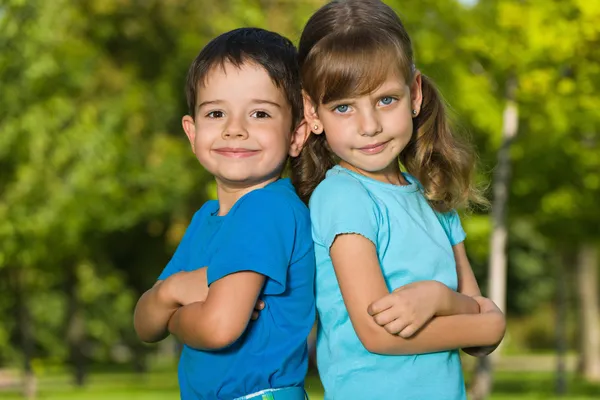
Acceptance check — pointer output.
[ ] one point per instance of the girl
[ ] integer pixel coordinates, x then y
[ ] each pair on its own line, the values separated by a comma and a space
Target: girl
376, 228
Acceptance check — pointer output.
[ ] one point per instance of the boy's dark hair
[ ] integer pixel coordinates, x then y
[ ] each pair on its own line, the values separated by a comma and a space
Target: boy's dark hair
273, 52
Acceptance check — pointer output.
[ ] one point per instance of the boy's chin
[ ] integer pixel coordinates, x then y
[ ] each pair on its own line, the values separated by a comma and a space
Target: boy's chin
243, 181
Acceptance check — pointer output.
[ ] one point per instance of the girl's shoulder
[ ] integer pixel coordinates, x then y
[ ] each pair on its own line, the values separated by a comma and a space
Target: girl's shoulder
338, 183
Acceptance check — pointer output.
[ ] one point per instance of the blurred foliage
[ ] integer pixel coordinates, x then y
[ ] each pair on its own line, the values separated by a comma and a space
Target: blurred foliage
97, 182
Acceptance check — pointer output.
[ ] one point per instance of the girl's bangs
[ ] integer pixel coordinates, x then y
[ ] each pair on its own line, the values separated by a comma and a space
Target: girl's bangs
354, 64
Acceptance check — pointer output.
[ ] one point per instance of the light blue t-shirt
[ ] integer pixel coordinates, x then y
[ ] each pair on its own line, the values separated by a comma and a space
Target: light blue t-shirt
413, 243
266, 231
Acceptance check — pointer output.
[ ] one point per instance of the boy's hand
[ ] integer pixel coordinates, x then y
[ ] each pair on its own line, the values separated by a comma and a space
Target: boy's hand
260, 305
185, 288
408, 308
189, 287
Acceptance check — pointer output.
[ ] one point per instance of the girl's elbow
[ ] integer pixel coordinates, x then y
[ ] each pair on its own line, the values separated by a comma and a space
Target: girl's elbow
375, 342
496, 330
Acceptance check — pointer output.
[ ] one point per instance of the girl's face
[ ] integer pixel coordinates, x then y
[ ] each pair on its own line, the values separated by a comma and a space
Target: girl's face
368, 132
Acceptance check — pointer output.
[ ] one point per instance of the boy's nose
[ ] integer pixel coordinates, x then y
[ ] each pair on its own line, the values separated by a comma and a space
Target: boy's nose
235, 129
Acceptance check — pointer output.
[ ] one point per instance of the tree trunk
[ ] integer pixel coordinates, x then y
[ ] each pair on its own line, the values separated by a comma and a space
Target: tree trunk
25, 333
75, 329
482, 380
587, 288
560, 324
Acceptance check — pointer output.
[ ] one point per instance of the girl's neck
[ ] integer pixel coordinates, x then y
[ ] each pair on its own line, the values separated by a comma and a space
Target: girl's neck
391, 174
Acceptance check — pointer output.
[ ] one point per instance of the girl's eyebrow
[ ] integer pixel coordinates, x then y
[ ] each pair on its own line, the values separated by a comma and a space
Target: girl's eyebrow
397, 90
339, 102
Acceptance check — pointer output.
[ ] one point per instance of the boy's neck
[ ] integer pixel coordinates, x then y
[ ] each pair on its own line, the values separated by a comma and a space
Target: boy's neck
228, 194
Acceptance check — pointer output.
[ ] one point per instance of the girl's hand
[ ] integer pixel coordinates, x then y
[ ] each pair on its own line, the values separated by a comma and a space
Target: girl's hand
408, 308
486, 305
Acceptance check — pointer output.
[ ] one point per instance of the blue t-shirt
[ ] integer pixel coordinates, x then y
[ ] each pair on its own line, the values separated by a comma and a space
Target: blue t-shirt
413, 243
266, 231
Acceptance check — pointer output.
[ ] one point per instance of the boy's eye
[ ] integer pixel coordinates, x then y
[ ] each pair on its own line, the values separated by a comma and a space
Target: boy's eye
386, 101
342, 108
215, 114
260, 114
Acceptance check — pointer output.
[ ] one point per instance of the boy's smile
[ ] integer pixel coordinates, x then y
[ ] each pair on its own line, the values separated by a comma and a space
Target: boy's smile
242, 129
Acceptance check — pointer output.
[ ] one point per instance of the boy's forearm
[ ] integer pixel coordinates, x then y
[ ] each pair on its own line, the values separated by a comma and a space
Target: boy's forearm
198, 326
443, 334
152, 314
455, 303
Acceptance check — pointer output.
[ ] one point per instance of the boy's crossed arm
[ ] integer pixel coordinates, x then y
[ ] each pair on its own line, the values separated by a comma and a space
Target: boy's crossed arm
221, 319
158, 304
180, 291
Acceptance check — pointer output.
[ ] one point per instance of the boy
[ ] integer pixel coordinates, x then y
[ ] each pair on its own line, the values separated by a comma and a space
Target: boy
253, 243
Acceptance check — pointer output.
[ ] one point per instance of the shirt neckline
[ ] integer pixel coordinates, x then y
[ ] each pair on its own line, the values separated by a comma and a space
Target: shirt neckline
410, 188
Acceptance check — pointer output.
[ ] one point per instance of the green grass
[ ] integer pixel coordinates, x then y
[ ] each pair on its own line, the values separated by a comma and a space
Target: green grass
163, 386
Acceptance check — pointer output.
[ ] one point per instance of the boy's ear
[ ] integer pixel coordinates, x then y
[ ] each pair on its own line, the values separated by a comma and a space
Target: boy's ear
299, 137
190, 130
310, 115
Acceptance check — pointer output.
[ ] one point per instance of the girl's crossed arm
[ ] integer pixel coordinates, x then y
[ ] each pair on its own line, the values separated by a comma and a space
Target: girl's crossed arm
410, 307
359, 275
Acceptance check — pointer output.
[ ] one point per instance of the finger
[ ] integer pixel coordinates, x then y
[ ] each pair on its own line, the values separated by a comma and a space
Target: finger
255, 315
411, 329
259, 305
396, 326
387, 316
380, 305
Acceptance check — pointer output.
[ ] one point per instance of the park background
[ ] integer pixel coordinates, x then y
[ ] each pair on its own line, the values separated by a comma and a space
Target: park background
97, 181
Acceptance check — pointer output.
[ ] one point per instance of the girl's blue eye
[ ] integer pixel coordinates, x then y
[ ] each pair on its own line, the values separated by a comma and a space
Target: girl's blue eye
343, 108
386, 101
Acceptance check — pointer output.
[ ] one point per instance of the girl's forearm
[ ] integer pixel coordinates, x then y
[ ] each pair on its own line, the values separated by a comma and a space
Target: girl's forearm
454, 303
442, 334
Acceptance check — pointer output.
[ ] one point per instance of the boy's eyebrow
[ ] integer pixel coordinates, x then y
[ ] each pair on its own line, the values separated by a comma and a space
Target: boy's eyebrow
210, 102
255, 101
263, 101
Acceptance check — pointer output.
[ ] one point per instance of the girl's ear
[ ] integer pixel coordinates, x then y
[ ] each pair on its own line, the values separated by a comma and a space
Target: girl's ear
299, 137
310, 115
416, 94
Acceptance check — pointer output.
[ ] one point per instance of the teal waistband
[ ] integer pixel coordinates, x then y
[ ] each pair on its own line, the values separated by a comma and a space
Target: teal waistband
289, 393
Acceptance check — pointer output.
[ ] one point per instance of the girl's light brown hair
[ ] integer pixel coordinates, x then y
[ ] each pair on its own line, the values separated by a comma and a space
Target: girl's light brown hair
347, 49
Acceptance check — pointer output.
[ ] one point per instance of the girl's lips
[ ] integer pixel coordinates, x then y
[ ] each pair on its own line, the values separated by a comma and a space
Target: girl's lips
374, 148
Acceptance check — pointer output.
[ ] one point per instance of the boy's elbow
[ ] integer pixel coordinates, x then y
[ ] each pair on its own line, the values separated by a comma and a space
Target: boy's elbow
224, 333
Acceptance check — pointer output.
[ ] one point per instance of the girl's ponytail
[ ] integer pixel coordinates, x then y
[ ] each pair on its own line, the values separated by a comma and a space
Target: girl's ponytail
440, 161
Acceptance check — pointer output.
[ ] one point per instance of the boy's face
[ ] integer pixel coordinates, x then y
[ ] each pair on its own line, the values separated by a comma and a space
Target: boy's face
241, 132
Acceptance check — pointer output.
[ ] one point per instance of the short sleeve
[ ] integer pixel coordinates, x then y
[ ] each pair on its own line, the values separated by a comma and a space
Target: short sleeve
342, 205
182, 253
451, 223
257, 235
